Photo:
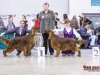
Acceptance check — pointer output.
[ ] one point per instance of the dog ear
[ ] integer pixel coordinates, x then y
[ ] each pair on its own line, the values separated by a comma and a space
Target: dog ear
47, 31
50, 29
37, 28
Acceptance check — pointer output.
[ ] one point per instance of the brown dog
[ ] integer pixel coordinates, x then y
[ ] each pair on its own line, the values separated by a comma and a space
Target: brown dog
24, 43
59, 43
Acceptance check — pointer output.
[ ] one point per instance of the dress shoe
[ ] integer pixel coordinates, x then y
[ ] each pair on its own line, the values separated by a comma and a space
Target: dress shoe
51, 53
17, 54
90, 47
29, 53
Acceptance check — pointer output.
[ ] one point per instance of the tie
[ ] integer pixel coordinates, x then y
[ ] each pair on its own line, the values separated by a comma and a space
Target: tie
20, 31
12, 27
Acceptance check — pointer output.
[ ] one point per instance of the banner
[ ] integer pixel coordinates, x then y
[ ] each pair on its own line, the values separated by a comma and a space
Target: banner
95, 2
6, 15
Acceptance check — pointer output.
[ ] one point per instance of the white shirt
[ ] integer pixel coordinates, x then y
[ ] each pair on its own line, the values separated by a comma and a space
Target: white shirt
89, 31
20, 32
68, 30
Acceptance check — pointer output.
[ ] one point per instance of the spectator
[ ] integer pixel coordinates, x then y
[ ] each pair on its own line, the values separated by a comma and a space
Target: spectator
91, 25
1, 24
89, 30
83, 20
36, 22
65, 16
25, 21
89, 37
56, 20
97, 32
62, 25
10, 25
74, 22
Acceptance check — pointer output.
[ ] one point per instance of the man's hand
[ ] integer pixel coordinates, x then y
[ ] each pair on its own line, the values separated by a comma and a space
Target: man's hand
54, 30
97, 34
90, 34
2, 34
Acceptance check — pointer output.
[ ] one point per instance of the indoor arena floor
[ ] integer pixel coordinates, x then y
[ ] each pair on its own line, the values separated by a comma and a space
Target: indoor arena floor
48, 65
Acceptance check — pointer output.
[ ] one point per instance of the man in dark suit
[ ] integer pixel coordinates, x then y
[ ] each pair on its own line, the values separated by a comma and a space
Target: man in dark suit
19, 31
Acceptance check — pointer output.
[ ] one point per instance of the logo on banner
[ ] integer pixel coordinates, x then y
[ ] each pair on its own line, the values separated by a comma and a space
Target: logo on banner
30, 15
91, 68
6, 15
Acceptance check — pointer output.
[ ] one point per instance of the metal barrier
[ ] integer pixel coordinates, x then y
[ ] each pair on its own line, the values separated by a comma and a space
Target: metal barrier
38, 39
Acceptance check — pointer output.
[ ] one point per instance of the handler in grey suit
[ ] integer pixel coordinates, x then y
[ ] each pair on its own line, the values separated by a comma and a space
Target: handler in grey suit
47, 19
19, 31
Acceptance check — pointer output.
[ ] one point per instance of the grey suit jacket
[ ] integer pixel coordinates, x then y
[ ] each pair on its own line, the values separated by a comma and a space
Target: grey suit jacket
16, 31
46, 20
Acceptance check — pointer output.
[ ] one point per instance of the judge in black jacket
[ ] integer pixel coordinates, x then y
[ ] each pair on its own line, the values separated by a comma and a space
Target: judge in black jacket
19, 31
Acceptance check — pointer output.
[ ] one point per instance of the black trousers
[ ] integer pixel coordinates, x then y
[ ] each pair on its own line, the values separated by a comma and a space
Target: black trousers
98, 39
18, 52
45, 44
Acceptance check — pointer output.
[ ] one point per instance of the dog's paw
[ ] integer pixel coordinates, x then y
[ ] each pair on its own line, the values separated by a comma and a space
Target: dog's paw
79, 55
56, 55
5, 55
26, 55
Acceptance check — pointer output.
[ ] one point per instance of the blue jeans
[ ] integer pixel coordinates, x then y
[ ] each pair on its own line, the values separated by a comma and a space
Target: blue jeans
92, 39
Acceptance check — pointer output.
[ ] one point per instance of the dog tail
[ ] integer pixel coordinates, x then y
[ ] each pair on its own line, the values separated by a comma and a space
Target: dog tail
5, 41
77, 41
80, 42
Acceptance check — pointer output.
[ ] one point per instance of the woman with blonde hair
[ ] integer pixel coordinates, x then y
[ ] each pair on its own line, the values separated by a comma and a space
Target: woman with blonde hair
10, 25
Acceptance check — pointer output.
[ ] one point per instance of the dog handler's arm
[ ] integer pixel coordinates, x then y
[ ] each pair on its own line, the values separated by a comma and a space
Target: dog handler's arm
12, 31
77, 35
57, 30
8, 32
2, 34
